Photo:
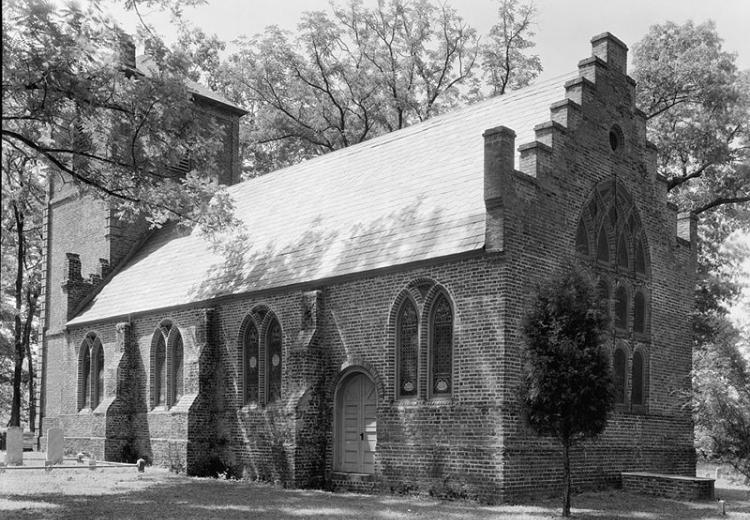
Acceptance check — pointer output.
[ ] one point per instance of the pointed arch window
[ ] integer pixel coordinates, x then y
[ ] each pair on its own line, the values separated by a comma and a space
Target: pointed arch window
160, 371
273, 361
640, 258
408, 349
90, 372
623, 259
636, 397
97, 370
639, 312
602, 289
619, 363
167, 367
441, 348
582, 239
602, 246
621, 308
84, 373
176, 375
251, 356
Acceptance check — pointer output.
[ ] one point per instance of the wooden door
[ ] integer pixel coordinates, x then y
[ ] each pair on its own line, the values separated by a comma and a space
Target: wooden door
357, 431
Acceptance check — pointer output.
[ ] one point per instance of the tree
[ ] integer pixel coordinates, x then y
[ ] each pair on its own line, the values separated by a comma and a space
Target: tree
22, 203
356, 72
721, 400
568, 390
347, 76
503, 60
73, 100
698, 109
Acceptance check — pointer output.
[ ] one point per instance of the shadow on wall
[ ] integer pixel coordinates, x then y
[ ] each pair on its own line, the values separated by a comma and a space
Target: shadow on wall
127, 435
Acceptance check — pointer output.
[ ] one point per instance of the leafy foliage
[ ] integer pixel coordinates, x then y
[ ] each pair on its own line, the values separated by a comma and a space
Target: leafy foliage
359, 72
698, 109
568, 389
72, 99
504, 61
721, 400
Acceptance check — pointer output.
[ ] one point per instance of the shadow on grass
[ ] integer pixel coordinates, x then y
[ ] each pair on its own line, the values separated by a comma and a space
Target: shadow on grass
172, 497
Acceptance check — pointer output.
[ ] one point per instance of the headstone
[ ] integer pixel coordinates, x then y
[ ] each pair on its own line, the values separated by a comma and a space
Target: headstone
55, 446
141, 465
14, 447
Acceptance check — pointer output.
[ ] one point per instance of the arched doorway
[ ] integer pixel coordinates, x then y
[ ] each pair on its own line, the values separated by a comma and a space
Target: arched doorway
356, 424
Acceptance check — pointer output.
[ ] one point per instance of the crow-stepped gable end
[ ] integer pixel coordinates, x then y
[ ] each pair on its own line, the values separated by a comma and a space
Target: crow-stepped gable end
365, 332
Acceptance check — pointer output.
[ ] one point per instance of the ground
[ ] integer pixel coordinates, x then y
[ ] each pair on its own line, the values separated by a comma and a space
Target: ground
157, 493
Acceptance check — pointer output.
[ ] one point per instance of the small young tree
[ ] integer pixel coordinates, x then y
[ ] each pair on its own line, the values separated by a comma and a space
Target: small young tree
568, 389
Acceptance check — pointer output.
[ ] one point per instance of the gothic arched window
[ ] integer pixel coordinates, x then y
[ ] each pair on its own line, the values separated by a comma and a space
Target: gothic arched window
636, 396
441, 348
97, 370
176, 376
251, 355
640, 258
84, 373
167, 354
273, 361
582, 240
602, 246
621, 308
619, 363
639, 312
622, 252
408, 349
160, 371
610, 223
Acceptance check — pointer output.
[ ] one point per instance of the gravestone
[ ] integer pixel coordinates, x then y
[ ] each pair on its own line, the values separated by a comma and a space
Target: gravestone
55, 446
14, 447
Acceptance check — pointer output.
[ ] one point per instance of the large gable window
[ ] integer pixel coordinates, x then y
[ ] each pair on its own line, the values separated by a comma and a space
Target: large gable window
441, 348
619, 260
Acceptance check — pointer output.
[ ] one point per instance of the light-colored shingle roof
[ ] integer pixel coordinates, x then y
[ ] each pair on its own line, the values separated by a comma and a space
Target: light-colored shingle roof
411, 195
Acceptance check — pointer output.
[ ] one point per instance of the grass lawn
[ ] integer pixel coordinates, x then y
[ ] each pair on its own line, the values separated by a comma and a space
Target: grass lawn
157, 493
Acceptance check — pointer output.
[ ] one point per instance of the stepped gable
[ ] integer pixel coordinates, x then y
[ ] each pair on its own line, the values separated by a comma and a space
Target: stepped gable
408, 196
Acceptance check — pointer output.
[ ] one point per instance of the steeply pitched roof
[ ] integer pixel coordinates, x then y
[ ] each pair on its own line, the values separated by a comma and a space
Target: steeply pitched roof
407, 196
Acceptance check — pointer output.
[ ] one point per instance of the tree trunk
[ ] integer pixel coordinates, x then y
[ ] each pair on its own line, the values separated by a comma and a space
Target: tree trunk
566, 478
20, 351
31, 301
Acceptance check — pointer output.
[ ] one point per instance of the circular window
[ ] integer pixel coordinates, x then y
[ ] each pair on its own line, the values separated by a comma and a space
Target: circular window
615, 138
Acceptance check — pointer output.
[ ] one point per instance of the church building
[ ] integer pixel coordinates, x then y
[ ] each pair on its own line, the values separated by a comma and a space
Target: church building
363, 330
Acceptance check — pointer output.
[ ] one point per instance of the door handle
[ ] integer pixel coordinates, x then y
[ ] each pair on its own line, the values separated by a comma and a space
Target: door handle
361, 436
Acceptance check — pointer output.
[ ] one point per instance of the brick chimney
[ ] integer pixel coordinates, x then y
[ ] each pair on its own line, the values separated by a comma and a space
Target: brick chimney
499, 160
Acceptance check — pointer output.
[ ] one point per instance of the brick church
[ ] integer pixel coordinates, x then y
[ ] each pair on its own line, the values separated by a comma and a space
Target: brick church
364, 329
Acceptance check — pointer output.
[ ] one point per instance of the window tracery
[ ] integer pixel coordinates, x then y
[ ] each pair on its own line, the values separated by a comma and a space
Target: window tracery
167, 353
610, 220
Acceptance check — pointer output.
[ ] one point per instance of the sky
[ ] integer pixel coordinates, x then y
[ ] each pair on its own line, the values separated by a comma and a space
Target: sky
563, 31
